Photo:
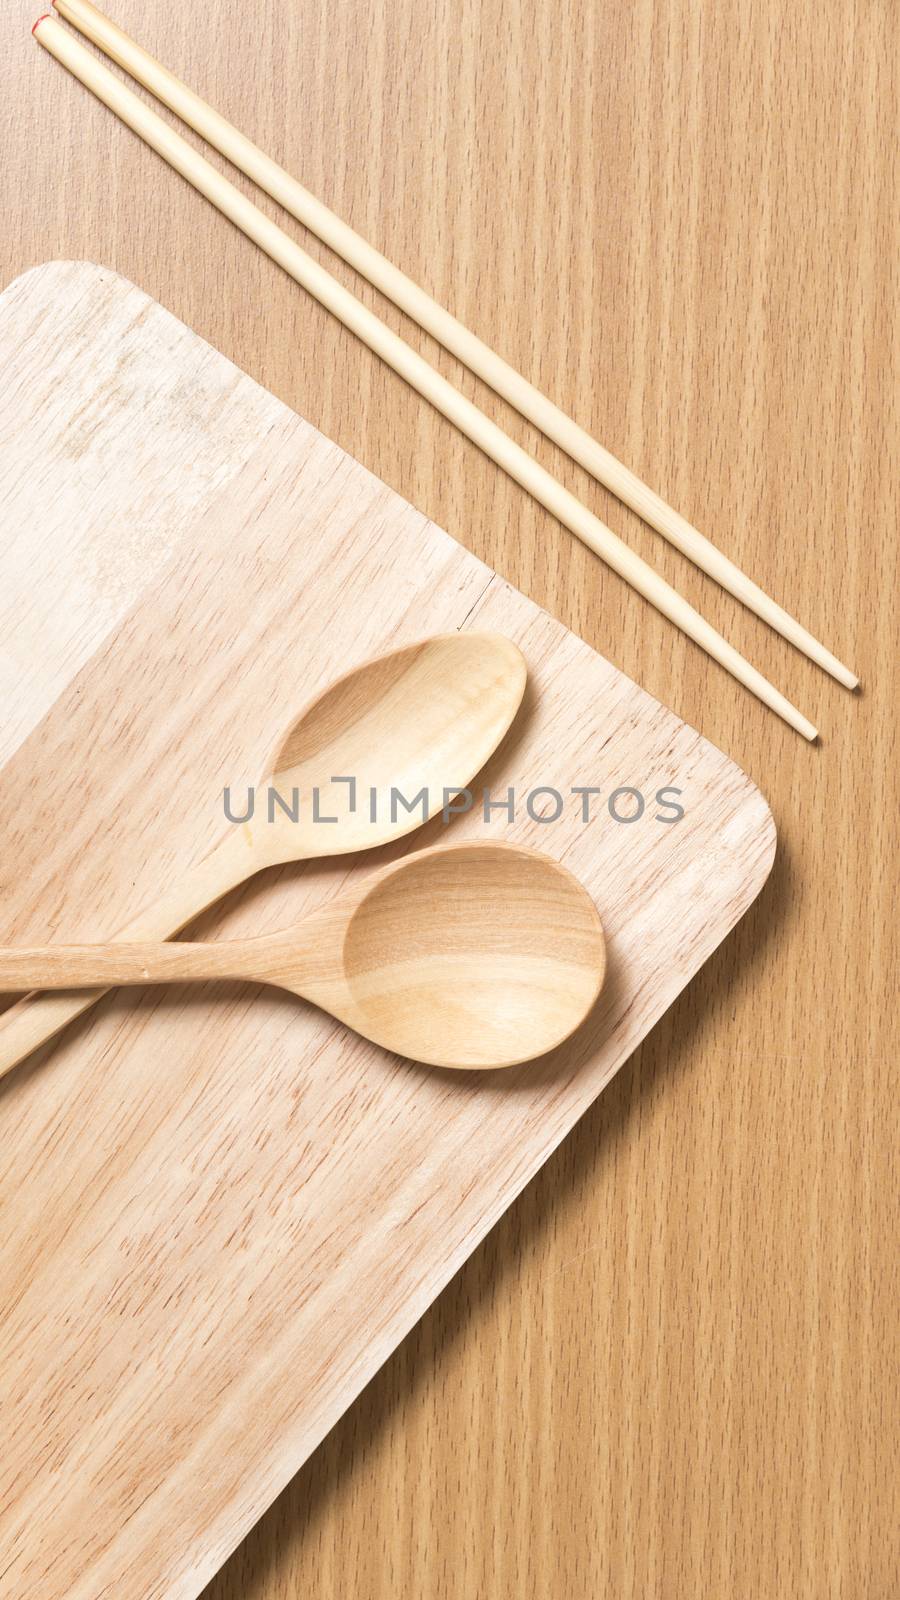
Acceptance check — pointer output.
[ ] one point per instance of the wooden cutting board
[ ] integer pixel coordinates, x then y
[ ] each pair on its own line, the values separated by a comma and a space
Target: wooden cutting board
220, 1211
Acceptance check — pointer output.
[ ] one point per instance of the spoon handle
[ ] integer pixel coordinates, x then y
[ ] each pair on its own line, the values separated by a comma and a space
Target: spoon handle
87, 966
39, 1017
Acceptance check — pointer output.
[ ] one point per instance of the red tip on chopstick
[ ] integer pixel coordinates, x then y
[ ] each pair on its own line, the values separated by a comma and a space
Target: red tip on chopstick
45, 18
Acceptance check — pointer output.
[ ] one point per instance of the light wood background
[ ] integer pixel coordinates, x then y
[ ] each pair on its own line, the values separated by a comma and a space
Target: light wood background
669, 1371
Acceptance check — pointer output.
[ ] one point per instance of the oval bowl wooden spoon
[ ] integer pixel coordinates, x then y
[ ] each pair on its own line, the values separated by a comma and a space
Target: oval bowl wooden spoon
474, 955
420, 720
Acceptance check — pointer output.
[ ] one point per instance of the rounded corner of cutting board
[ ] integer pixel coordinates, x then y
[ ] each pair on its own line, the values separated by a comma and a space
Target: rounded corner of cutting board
768, 831
764, 828
63, 268
772, 831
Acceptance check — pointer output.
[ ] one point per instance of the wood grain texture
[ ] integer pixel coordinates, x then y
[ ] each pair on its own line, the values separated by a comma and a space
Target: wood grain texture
669, 1368
250, 1233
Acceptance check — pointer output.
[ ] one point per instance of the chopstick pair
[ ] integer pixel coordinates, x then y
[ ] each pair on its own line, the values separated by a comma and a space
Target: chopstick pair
407, 362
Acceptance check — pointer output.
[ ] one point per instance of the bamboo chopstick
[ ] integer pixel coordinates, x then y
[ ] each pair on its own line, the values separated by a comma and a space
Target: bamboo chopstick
469, 349
407, 362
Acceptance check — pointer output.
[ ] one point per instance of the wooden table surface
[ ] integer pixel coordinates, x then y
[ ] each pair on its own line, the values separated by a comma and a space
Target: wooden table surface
669, 1371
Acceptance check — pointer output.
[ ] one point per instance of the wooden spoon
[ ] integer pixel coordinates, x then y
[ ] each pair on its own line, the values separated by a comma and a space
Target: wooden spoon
474, 955
420, 721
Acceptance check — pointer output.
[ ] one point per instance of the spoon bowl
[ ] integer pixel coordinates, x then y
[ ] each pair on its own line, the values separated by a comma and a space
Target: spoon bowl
482, 955
384, 748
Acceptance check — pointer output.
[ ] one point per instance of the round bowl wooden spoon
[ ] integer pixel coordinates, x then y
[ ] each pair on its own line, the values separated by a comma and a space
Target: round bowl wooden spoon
473, 955
421, 720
